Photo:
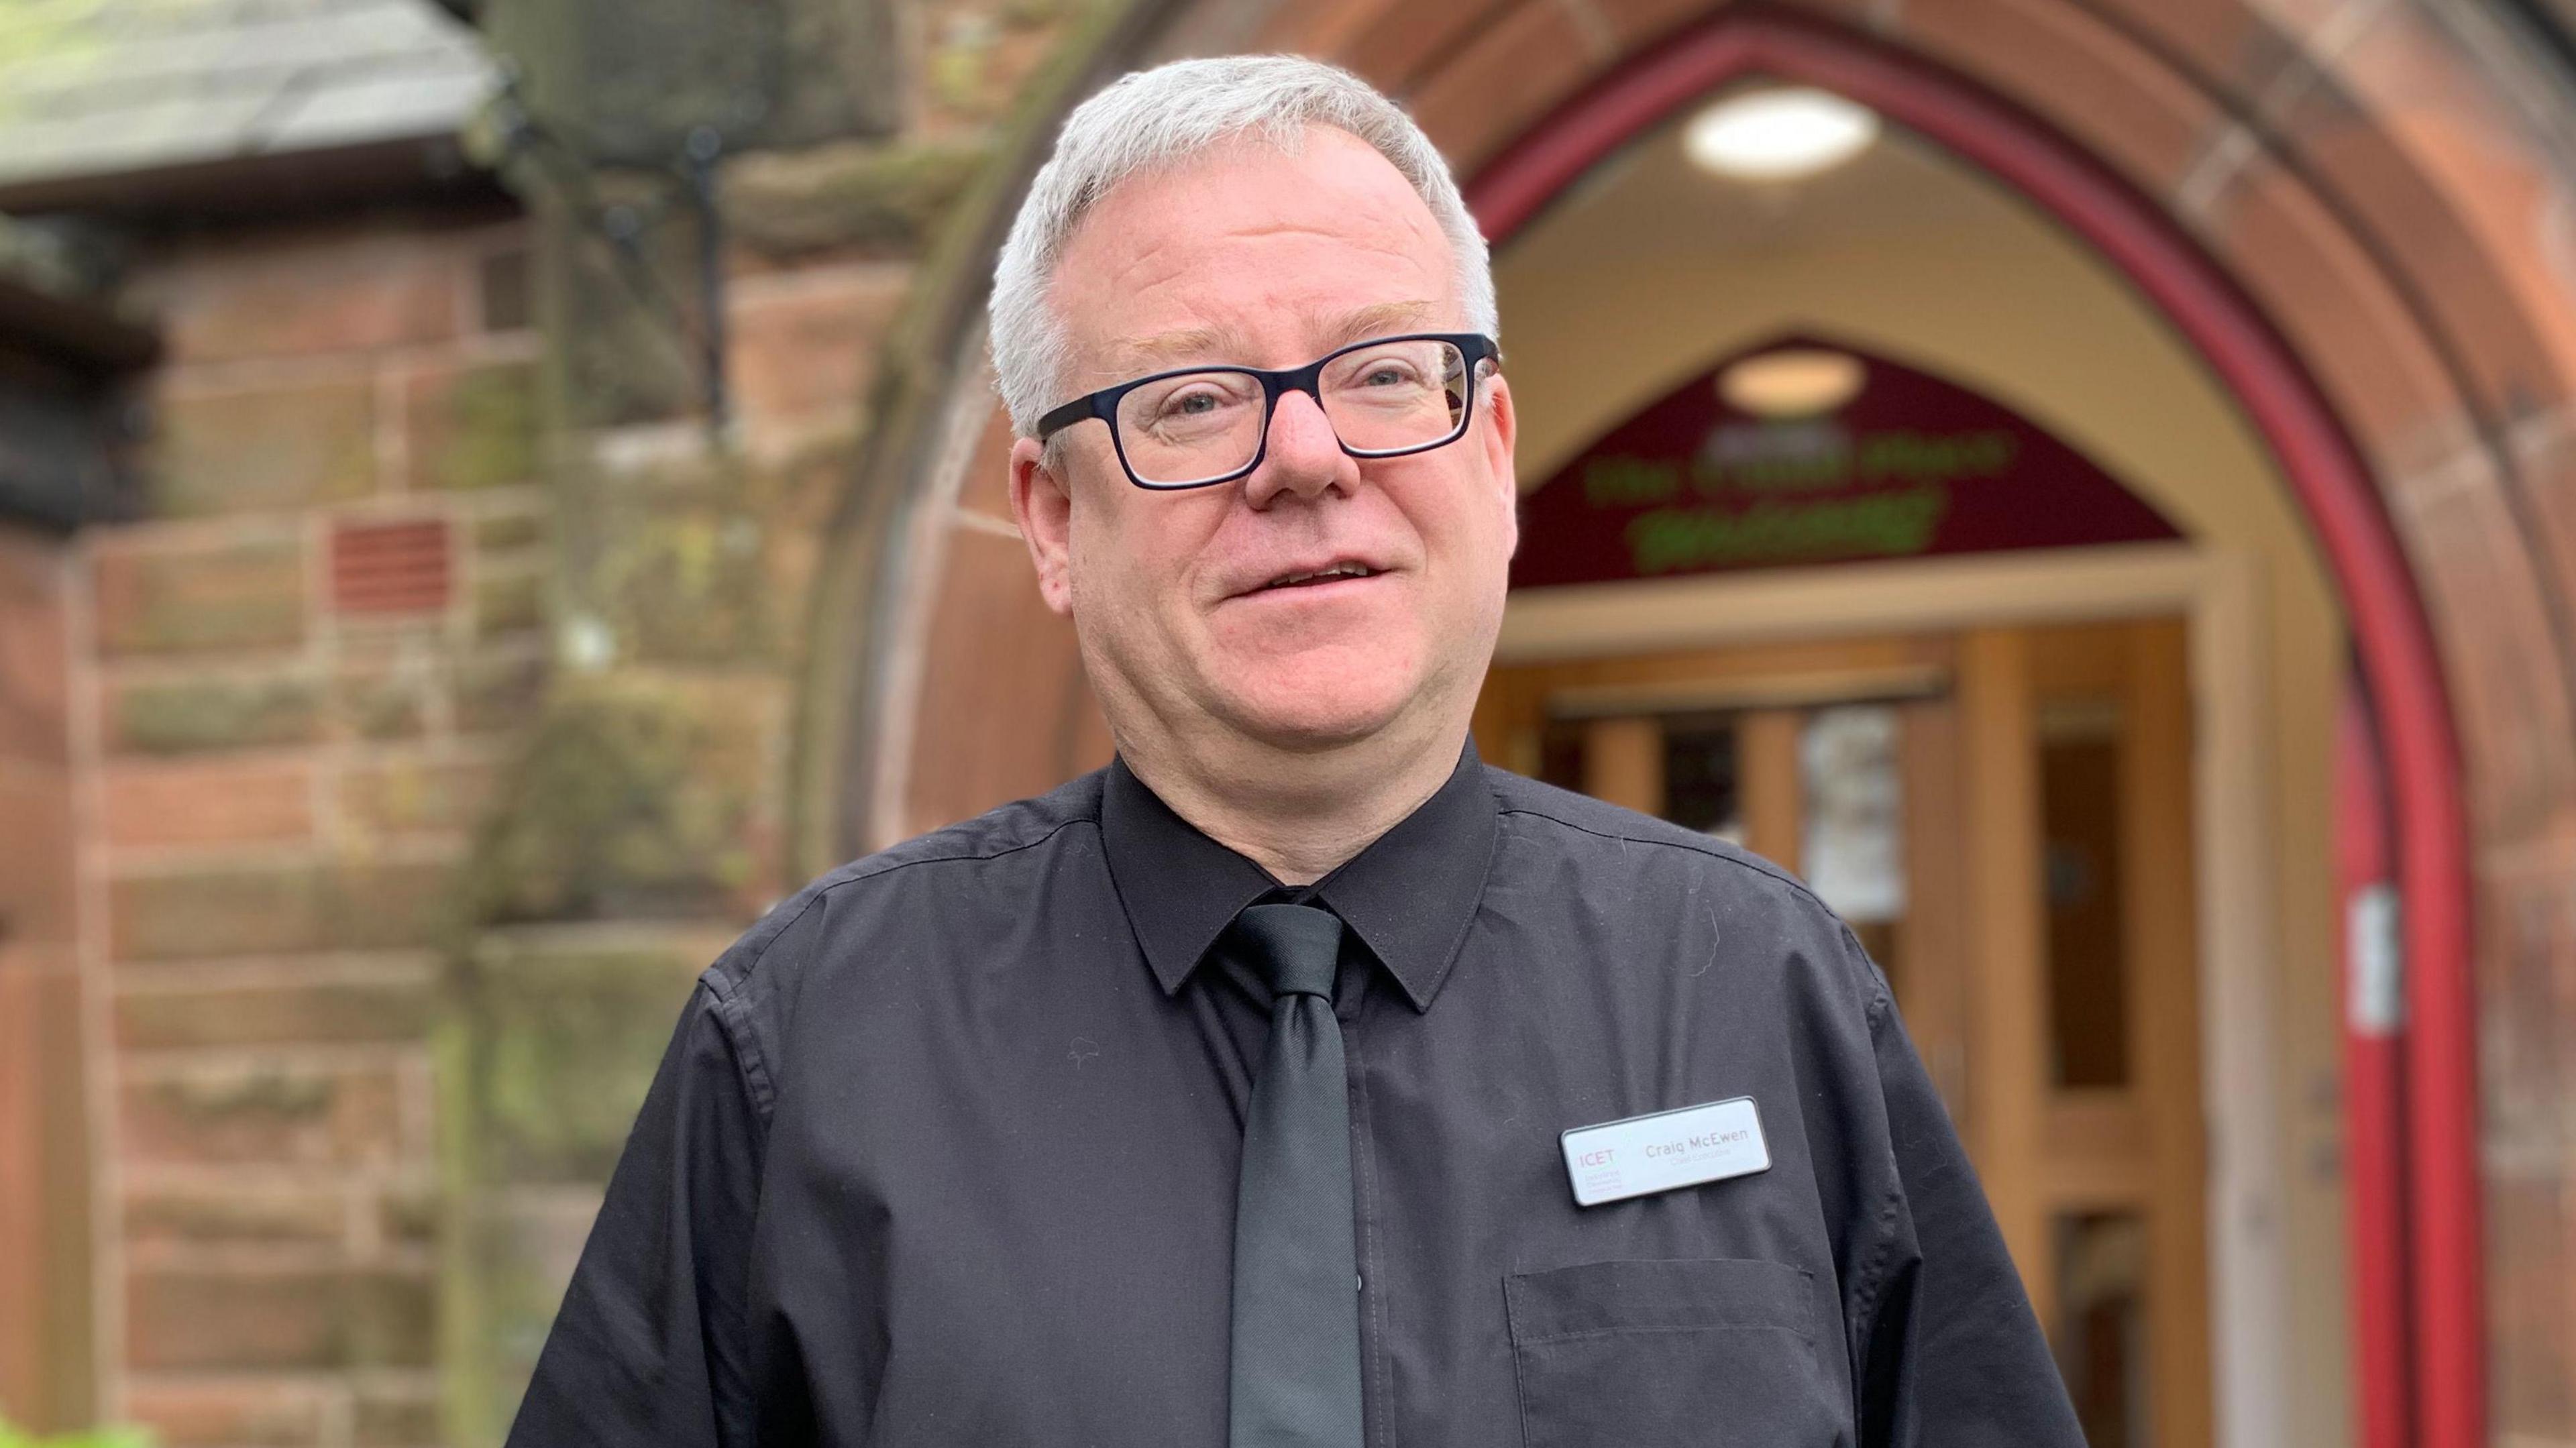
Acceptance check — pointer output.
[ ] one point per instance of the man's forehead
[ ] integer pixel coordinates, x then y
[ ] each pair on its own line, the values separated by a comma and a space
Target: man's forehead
1323, 330
1251, 252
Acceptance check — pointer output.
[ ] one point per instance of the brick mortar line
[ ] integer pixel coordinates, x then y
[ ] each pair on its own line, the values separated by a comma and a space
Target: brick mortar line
265, 1182
2237, 145
172, 1064
391, 432
162, 862
416, 1107
516, 563
445, 846
181, 977
976, 520
778, 288
611, 934
307, 657
369, 1379
281, 524
255, 1258
425, 954
92, 908
210, 379
482, 748
244, 1177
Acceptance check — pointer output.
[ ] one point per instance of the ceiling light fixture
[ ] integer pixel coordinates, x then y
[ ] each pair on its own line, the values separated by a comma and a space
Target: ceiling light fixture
1779, 134
1792, 382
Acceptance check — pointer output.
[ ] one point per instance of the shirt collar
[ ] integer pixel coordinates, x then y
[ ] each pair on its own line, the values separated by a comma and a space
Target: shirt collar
1409, 896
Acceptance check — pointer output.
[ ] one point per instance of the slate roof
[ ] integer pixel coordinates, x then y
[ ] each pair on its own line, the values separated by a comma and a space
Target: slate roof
106, 87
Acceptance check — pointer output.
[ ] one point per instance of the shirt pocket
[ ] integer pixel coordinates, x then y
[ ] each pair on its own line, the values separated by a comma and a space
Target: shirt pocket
1699, 1350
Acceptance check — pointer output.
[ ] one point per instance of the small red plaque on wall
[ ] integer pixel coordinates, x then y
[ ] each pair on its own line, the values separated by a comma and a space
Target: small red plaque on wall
390, 567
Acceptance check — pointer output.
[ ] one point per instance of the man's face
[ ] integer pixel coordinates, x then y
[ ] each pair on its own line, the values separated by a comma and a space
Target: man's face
1249, 256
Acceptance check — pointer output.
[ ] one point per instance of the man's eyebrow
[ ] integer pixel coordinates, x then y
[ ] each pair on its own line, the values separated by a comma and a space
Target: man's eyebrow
1209, 344
1189, 344
1379, 317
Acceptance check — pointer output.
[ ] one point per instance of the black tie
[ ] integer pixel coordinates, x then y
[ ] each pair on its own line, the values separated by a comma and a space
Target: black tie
1296, 1374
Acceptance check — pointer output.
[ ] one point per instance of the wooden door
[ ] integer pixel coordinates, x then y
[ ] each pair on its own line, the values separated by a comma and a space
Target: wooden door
2003, 815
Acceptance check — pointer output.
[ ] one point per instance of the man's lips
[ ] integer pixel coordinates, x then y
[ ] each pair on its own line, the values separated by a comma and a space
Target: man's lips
1329, 576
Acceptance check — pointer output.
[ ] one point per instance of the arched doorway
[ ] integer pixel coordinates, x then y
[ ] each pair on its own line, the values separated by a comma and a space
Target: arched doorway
2398, 668
2012, 560
2293, 244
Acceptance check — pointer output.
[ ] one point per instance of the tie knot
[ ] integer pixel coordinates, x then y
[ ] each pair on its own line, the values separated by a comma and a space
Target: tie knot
1294, 946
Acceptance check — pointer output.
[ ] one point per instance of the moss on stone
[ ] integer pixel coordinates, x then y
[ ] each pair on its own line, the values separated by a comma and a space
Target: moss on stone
570, 1035
632, 800
496, 533
691, 584
498, 693
485, 434
885, 196
183, 717
507, 604
283, 447
270, 1093
381, 704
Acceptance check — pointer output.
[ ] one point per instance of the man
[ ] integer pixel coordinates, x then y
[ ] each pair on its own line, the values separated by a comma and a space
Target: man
1279, 1084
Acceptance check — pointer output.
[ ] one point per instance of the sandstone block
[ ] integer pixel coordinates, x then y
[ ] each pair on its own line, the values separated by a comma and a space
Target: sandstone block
263, 1114
159, 598
211, 712
208, 802
321, 1012
266, 910
238, 1318
473, 427
283, 447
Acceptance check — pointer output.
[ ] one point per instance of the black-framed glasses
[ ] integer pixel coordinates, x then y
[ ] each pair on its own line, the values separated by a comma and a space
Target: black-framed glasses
1193, 427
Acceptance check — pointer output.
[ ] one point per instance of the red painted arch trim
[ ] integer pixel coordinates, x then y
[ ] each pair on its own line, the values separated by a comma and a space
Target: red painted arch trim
2395, 643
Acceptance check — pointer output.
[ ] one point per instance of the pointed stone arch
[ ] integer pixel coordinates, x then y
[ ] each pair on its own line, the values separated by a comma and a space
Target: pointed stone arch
2342, 210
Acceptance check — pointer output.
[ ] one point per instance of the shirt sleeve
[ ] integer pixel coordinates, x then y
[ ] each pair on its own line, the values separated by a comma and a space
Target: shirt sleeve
650, 1345
1948, 1351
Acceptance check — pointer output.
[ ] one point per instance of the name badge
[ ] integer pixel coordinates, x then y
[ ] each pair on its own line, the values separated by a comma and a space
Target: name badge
1663, 1150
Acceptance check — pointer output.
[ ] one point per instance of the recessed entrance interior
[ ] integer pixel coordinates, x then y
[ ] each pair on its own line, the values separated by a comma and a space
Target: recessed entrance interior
2003, 816
2072, 787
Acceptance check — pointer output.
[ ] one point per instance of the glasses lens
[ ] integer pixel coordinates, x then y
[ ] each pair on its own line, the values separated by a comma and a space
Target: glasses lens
1392, 395
1188, 428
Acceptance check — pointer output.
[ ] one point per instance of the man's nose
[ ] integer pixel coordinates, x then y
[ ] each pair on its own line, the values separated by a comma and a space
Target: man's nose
1303, 457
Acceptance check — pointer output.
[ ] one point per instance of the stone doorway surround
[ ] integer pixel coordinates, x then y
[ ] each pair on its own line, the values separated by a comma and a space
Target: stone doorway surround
2369, 195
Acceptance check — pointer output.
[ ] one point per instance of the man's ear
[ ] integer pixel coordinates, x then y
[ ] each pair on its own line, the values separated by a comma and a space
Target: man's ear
1502, 432
1042, 506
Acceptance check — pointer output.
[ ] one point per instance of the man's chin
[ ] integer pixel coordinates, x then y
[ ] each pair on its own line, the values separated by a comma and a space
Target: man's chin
1316, 719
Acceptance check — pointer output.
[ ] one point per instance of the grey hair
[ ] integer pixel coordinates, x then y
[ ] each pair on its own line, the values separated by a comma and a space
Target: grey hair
1153, 119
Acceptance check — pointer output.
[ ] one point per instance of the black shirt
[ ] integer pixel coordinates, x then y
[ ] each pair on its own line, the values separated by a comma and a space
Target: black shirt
943, 1151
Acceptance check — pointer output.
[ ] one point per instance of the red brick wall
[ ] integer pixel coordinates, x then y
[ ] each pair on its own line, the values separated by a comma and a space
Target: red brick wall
286, 780
44, 1202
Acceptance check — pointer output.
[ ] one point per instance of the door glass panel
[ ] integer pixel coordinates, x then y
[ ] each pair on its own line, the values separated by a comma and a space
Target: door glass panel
1560, 753
1699, 769
2088, 986
2101, 1324
1700, 775
1852, 840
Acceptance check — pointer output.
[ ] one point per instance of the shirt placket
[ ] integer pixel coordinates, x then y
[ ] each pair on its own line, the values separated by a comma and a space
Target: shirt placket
1355, 1008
